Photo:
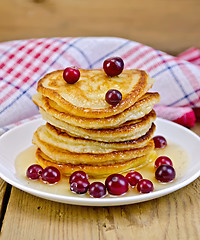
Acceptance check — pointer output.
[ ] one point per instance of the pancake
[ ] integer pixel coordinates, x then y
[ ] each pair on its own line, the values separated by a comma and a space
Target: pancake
96, 171
142, 107
127, 131
84, 132
86, 98
60, 155
60, 139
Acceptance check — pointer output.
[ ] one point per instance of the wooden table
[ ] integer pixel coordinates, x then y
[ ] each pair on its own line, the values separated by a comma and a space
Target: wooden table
171, 26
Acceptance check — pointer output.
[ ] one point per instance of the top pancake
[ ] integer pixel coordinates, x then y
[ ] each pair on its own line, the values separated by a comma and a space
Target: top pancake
86, 98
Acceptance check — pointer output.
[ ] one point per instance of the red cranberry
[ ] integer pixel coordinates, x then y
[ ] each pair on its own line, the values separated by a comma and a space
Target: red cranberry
78, 175
71, 75
51, 175
113, 66
116, 184
165, 173
163, 160
34, 171
160, 142
79, 186
133, 178
113, 97
97, 190
145, 186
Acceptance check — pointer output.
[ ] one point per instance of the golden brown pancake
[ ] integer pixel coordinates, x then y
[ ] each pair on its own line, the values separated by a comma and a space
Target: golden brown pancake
86, 98
60, 155
142, 107
96, 171
127, 131
60, 139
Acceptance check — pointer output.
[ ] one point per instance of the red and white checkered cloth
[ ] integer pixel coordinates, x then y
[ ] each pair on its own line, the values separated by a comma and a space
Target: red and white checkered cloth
24, 62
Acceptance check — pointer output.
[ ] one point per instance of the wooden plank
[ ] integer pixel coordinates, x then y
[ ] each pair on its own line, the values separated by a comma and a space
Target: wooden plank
196, 128
3, 200
171, 26
175, 216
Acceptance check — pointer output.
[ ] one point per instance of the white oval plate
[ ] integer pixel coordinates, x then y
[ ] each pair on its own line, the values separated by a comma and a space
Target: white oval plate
18, 139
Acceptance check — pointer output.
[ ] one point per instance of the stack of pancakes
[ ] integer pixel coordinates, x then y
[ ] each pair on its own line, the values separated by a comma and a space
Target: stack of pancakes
83, 132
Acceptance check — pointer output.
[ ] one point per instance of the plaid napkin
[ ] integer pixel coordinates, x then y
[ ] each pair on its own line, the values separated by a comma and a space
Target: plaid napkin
24, 62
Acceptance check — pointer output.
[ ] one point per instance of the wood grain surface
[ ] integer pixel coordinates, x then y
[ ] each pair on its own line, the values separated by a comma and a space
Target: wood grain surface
3, 199
175, 216
168, 25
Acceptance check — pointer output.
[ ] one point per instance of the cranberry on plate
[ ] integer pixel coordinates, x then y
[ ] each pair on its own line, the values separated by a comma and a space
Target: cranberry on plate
165, 173
78, 175
97, 190
133, 178
163, 160
116, 184
160, 142
145, 186
79, 186
51, 175
34, 171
